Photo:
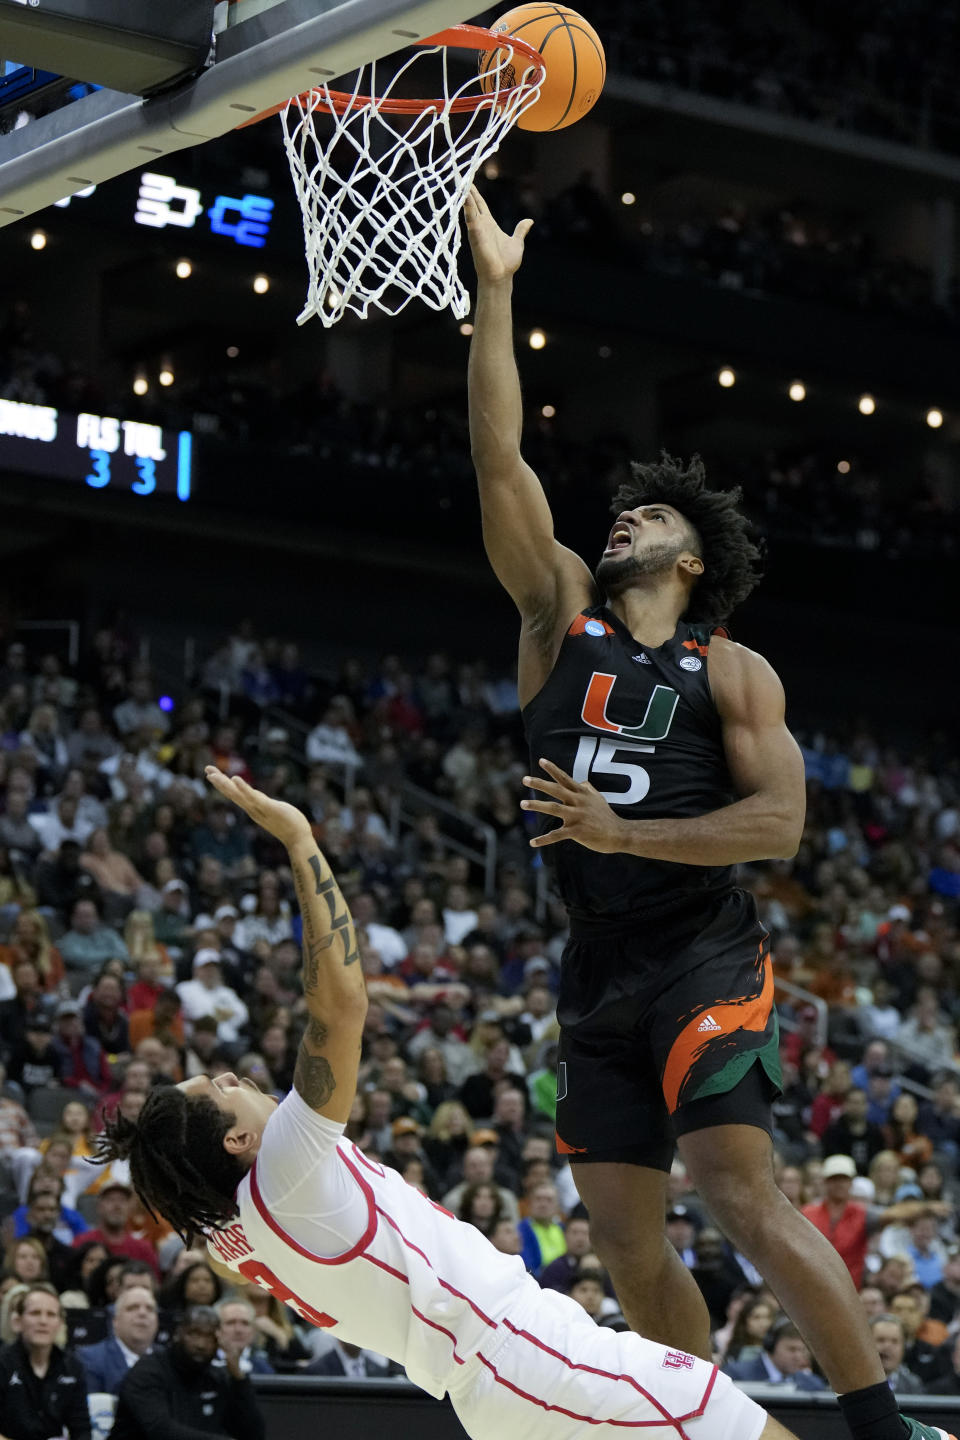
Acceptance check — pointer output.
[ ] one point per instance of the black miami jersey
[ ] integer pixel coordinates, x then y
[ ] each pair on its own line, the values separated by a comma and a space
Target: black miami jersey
641, 726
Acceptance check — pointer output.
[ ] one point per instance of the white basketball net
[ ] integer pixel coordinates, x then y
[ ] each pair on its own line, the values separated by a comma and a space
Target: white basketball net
381, 194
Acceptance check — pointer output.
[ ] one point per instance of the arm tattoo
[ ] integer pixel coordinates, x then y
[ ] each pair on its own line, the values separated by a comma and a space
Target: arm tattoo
339, 923
313, 1077
316, 1032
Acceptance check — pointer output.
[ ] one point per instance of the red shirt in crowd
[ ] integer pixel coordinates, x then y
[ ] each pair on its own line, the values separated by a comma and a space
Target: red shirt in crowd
128, 1246
847, 1234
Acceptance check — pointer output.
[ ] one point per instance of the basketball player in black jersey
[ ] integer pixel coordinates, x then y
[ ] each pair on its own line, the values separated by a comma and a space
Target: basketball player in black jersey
662, 760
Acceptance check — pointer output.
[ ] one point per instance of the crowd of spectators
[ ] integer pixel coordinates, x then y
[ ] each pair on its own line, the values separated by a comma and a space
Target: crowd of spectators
149, 933
885, 69
794, 249
869, 503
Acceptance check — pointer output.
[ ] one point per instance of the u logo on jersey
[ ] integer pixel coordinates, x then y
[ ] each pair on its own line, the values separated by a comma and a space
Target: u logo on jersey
655, 724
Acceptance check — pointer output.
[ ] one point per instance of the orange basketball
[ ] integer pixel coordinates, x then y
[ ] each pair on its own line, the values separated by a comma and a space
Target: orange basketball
574, 59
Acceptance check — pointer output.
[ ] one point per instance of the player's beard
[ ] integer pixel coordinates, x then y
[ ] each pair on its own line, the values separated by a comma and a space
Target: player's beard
615, 576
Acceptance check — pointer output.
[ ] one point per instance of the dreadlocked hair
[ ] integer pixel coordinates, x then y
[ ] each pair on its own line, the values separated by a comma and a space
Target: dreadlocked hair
732, 555
178, 1165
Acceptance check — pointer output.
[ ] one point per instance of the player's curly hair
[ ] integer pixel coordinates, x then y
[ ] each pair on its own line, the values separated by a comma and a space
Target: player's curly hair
178, 1164
724, 538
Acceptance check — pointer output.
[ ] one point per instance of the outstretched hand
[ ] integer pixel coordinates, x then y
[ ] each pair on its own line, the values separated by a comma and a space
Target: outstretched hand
584, 814
284, 822
496, 255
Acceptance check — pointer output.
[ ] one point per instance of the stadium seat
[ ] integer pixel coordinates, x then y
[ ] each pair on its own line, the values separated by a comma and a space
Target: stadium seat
45, 1106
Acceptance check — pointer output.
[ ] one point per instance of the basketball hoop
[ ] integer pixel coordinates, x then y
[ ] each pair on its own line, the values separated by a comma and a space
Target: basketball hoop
381, 197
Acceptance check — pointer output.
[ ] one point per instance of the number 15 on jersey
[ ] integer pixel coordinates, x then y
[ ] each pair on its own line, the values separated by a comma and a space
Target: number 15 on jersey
597, 756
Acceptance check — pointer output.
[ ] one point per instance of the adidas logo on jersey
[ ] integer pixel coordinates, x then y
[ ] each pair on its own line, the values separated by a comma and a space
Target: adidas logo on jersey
708, 1023
642, 659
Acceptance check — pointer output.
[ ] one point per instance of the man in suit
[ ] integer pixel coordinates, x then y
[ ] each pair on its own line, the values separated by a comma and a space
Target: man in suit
180, 1391
784, 1360
237, 1333
134, 1331
890, 1338
350, 1361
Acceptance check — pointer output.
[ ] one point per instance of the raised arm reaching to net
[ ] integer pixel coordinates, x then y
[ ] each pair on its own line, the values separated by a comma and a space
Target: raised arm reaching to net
661, 759
547, 582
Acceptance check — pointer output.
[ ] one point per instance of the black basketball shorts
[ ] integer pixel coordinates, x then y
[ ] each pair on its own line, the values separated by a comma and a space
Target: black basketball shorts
680, 1035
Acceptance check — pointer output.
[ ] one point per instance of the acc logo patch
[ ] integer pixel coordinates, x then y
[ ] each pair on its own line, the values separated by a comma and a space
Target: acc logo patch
690, 662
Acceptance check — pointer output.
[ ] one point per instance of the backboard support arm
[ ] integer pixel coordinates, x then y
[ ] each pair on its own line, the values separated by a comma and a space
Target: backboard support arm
277, 53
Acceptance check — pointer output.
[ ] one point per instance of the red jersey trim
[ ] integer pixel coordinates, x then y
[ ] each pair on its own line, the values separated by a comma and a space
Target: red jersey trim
374, 1169
445, 1284
579, 626
659, 1422
611, 1375
278, 1230
589, 1369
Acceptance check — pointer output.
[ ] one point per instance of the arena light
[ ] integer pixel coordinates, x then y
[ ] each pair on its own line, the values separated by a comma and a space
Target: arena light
466, 328
183, 269
548, 412
604, 352
332, 298
934, 419
536, 340
866, 404
232, 352
491, 171
628, 198
261, 284
797, 391
726, 378
843, 467
140, 383
38, 240
166, 376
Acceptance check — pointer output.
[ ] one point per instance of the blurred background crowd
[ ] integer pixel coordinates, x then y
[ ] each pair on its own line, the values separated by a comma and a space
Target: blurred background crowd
885, 69
747, 250
150, 933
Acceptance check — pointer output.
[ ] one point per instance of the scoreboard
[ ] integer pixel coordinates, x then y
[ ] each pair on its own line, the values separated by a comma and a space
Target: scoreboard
99, 451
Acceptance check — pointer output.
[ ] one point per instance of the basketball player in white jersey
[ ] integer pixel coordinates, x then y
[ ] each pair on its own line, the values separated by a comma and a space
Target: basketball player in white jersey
290, 1205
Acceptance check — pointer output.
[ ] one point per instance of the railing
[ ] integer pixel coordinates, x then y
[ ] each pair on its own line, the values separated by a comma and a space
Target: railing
541, 892
859, 110
805, 998
901, 1052
72, 627
272, 717
411, 802
406, 806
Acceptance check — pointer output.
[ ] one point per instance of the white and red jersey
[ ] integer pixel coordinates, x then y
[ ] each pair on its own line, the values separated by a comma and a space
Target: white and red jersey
351, 1247
348, 1245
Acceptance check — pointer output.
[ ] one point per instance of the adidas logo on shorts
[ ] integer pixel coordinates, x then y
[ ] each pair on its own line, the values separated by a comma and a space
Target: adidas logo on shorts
708, 1023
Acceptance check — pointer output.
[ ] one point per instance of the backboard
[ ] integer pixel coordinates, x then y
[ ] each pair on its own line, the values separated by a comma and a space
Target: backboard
263, 51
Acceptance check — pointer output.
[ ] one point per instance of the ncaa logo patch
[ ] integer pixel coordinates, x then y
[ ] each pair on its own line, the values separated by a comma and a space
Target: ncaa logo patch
595, 627
677, 1360
690, 662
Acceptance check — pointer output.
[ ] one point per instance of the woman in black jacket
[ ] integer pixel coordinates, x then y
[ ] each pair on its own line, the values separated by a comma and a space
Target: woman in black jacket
43, 1390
